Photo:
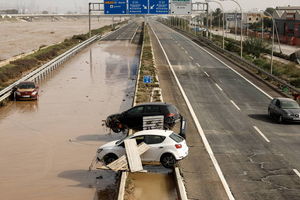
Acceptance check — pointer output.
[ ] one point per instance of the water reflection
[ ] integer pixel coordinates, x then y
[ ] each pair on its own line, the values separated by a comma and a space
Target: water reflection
26, 106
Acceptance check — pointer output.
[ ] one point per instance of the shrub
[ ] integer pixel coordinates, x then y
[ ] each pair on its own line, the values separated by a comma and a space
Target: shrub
255, 46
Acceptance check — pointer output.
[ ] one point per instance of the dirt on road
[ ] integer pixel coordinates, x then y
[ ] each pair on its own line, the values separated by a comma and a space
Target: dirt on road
21, 36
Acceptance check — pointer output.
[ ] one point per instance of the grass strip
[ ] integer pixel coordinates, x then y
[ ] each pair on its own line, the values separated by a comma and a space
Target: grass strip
147, 68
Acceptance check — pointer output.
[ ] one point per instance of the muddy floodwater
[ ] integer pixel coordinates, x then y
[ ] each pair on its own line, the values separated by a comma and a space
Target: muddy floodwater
46, 147
150, 186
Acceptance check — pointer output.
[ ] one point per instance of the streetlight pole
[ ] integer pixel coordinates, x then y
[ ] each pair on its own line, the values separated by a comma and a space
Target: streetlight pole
241, 54
272, 51
223, 32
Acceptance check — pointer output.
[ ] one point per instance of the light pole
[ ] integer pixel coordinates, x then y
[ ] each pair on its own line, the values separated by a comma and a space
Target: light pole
223, 35
272, 51
241, 24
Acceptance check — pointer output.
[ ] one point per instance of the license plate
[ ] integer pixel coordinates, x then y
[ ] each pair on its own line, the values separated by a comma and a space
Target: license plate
26, 96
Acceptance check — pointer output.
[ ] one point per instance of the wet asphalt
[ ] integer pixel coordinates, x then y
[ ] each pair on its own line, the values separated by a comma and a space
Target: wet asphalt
231, 111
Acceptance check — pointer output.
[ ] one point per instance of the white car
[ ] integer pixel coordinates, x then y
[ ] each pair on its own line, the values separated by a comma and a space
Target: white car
166, 147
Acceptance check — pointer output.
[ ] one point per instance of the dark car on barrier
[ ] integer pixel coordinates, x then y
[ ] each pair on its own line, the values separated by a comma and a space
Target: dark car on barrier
133, 118
284, 109
26, 90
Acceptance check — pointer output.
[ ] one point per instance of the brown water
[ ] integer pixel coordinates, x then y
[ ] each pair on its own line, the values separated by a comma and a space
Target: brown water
47, 146
150, 186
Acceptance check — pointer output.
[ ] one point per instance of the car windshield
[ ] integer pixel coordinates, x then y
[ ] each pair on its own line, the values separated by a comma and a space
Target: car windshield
121, 140
26, 86
289, 105
176, 137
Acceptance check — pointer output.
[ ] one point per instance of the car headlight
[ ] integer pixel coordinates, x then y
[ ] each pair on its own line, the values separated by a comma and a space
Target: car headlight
34, 93
18, 93
99, 150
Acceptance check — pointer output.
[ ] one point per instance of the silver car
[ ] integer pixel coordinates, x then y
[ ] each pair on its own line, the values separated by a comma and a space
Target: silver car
284, 109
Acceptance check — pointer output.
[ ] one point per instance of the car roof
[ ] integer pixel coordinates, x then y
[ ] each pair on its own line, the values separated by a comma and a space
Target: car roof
154, 132
153, 103
26, 82
285, 99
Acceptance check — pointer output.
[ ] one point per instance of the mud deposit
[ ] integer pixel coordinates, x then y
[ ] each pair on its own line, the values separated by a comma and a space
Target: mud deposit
46, 147
149, 186
21, 36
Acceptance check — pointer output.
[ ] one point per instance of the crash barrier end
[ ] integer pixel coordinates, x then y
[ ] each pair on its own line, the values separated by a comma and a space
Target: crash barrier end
180, 185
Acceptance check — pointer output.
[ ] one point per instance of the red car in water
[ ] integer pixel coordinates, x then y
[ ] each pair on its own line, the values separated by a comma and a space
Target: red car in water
26, 90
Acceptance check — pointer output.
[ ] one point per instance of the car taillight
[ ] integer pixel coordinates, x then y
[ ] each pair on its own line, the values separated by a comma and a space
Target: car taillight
178, 146
170, 115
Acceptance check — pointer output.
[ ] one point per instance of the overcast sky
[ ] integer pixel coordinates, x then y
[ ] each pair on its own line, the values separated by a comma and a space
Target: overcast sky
62, 6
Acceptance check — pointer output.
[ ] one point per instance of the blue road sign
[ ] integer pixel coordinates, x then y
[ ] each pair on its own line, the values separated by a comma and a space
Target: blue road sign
158, 6
114, 6
147, 79
137, 7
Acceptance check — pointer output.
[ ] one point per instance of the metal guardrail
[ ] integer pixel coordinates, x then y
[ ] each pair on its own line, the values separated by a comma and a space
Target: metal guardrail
276, 82
42, 71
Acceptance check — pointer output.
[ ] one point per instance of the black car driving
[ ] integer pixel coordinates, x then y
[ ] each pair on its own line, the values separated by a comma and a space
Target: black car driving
133, 118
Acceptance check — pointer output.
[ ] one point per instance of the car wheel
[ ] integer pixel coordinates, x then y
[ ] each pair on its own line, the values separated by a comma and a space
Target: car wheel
168, 160
109, 158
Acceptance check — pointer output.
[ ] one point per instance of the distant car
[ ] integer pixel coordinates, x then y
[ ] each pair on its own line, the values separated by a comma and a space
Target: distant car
133, 118
26, 90
284, 109
166, 147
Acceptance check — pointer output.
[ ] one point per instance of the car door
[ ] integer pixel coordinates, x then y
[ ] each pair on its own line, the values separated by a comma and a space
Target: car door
277, 108
133, 118
272, 106
152, 110
155, 142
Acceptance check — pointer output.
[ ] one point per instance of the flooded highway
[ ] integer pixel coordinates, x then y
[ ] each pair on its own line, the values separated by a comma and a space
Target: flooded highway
46, 147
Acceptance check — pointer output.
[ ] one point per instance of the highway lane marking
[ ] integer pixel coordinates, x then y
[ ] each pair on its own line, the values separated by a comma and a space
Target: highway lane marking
191, 58
270, 97
235, 105
261, 133
219, 87
198, 64
297, 172
199, 128
186, 52
206, 73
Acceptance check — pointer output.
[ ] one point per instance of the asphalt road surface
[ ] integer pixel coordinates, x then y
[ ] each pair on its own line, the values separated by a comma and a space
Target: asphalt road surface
258, 157
46, 147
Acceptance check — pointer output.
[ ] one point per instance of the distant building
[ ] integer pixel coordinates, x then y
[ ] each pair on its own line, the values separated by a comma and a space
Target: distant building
10, 11
288, 24
248, 18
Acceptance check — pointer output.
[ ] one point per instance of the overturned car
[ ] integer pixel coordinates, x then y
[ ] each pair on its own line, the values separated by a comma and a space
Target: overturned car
133, 118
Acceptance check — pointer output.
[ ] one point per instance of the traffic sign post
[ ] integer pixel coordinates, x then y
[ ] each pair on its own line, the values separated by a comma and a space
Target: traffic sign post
159, 7
114, 6
138, 7
147, 79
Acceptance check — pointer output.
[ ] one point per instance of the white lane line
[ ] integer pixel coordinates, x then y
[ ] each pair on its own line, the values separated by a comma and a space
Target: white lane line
199, 128
198, 64
186, 52
191, 58
261, 133
297, 172
206, 73
270, 97
219, 87
235, 105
